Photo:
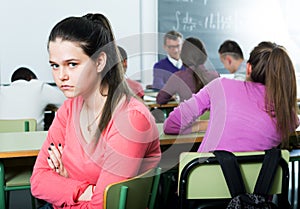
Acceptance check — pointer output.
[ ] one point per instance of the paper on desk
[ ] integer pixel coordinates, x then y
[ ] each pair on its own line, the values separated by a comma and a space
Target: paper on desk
149, 98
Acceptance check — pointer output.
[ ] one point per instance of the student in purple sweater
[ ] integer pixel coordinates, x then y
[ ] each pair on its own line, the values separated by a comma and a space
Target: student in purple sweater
256, 114
189, 81
164, 68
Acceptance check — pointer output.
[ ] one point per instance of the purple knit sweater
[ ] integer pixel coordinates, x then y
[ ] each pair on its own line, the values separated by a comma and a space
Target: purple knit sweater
162, 70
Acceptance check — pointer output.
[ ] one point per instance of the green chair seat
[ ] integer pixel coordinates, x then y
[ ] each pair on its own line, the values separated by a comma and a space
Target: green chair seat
17, 178
136, 193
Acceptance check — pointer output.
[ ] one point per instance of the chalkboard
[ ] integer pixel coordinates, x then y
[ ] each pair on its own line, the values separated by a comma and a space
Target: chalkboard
247, 22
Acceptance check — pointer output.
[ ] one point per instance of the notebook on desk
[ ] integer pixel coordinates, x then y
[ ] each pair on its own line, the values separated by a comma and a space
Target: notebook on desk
149, 98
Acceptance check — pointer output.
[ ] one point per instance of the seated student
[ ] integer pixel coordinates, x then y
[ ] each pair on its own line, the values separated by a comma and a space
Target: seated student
135, 86
27, 97
189, 81
231, 55
164, 68
257, 114
102, 134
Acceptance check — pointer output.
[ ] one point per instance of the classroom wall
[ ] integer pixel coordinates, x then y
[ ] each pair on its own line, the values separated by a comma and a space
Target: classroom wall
25, 26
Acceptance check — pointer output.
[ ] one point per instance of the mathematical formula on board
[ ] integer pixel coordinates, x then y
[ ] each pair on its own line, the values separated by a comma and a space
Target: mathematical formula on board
199, 15
213, 21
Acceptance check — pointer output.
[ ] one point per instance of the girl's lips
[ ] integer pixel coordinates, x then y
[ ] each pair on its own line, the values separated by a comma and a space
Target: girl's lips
66, 87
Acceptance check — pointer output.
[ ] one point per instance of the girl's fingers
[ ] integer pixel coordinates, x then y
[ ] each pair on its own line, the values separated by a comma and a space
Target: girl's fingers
50, 163
60, 148
54, 159
55, 151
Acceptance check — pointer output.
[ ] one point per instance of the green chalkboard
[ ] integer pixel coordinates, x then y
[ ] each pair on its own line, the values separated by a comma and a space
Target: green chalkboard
247, 22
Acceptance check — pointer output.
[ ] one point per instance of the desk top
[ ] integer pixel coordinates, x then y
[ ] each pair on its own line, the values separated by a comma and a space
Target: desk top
21, 144
166, 139
28, 144
153, 104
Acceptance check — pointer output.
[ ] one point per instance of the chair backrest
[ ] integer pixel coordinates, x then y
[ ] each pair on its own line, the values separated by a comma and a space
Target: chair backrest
18, 125
135, 193
206, 180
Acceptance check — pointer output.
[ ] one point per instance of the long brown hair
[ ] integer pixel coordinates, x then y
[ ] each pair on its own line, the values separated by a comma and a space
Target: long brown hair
272, 67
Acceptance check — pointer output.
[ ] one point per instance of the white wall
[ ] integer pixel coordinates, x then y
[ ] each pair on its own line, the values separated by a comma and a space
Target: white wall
25, 26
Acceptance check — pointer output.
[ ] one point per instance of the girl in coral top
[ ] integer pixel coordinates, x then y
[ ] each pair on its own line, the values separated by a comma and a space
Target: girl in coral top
101, 134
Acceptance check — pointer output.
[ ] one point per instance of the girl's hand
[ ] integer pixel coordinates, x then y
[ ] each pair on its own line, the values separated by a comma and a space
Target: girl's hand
55, 161
87, 194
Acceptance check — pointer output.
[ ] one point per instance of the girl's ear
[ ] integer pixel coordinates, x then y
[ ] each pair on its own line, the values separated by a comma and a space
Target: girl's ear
101, 62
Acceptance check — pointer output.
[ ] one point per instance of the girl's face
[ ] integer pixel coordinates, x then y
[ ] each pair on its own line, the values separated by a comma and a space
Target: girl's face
73, 71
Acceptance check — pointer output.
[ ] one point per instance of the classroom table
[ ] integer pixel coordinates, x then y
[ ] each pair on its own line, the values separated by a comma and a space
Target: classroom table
21, 144
28, 144
153, 104
167, 139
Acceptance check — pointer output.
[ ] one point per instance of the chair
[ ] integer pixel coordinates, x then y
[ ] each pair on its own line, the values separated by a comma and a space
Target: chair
201, 177
15, 173
135, 193
18, 125
205, 115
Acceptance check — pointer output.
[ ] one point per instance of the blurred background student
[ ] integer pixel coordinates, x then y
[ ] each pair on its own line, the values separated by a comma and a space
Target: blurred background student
231, 55
135, 86
27, 97
164, 68
186, 82
253, 115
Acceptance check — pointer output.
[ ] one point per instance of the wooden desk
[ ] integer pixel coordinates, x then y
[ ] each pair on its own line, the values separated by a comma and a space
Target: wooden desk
21, 144
166, 139
28, 144
153, 104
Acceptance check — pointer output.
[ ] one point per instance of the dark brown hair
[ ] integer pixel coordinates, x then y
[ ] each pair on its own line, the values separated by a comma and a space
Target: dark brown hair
232, 48
23, 73
94, 35
193, 54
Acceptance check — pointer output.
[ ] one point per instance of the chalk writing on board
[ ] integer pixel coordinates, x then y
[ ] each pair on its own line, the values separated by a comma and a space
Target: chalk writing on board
213, 21
204, 1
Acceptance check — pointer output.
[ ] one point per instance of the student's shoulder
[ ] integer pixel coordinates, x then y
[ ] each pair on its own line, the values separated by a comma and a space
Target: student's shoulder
161, 62
40, 83
219, 81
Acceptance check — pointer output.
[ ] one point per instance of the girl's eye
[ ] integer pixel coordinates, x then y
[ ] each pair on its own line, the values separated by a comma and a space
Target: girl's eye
54, 66
72, 64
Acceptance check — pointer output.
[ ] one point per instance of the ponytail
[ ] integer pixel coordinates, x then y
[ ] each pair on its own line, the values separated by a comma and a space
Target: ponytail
272, 67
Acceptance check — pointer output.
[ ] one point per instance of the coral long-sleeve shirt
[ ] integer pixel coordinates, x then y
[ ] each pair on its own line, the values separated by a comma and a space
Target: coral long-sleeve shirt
127, 147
